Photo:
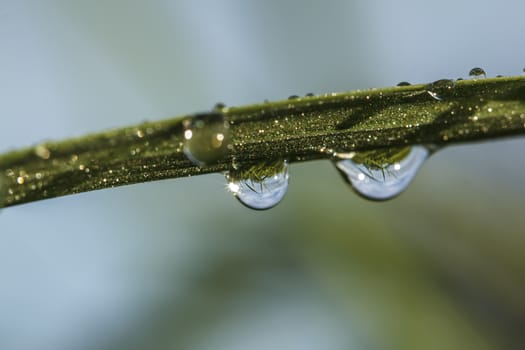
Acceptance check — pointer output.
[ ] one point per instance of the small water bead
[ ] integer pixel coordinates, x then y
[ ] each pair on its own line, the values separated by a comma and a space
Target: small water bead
219, 107
382, 174
43, 152
206, 139
477, 73
261, 186
404, 83
441, 89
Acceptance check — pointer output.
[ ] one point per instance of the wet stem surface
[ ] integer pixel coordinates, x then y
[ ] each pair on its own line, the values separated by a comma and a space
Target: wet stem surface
373, 130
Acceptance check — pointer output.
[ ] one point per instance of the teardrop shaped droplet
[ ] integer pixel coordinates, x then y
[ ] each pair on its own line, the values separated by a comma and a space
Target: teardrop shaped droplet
260, 186
403, 83
382, 174
477, 73
441, 89
206, 139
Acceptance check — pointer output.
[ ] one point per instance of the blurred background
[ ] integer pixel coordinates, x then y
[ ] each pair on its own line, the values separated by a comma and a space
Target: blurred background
180, 264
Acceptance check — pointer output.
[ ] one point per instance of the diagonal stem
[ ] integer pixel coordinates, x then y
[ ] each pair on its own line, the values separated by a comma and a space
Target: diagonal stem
297, 129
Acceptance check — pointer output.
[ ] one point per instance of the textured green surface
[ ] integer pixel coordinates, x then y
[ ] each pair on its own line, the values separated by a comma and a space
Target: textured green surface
299, 129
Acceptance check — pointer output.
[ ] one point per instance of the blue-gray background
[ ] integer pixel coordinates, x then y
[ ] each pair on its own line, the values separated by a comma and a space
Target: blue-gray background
179, 264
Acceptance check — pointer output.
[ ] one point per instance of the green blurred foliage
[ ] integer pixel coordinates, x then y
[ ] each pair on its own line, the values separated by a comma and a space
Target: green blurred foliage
181, 265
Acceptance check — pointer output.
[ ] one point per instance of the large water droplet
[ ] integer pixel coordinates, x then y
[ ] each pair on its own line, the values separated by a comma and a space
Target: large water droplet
261, 186
441, 89
382, 174
206, 139
477, 73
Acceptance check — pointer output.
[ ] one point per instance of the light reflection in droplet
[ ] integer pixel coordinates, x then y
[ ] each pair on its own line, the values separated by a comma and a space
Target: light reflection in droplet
383, 181
206, 138
259, 189
43, 152
440, 89
477, 72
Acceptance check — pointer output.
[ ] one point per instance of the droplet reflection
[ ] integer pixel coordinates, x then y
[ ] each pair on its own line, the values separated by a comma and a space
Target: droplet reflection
43, 152
261, 186
477, 73
440, 89
381, 175
206, 139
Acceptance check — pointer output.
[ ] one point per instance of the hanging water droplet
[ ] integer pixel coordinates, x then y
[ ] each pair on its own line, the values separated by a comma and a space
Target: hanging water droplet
206, 139
260, 186
477, 73
441, 89
382, 174
403, 83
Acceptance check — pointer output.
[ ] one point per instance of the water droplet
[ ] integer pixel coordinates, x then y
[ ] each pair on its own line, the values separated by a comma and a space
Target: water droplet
219, 107
382, 174
404, 83
206, 138
261, 186
43, 152
440, 89
477, 73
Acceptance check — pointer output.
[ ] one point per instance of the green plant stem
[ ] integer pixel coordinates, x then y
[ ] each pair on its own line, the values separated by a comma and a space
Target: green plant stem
298, 130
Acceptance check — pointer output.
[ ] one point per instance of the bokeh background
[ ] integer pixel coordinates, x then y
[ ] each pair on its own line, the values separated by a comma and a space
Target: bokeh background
179, 264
